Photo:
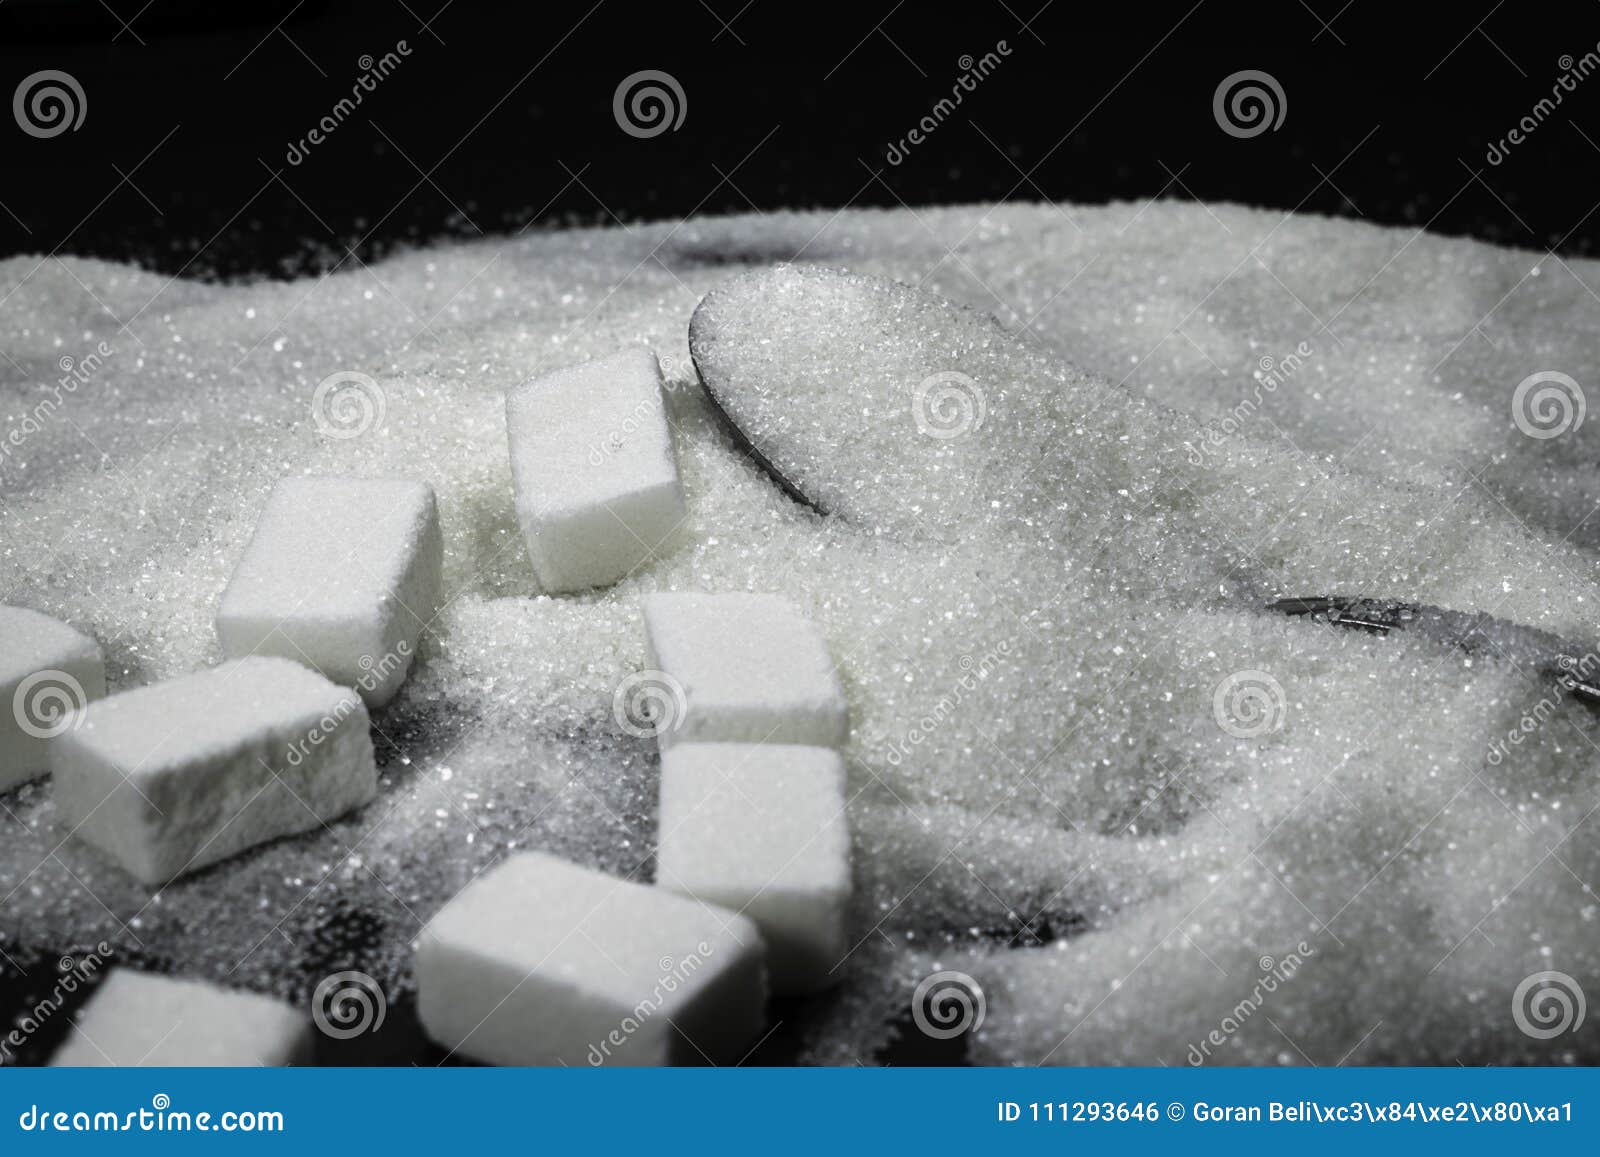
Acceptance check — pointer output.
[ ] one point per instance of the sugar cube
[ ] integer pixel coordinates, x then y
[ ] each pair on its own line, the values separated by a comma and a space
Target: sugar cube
595, 472
761, 829
142, 1020
751, 668
47, 671
343, 575
174, 776
542, 962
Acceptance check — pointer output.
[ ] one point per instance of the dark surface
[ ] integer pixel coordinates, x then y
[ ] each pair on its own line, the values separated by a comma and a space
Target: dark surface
28, 979
501, 117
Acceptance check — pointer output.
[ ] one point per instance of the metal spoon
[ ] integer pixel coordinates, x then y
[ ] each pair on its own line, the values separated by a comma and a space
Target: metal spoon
1573, 669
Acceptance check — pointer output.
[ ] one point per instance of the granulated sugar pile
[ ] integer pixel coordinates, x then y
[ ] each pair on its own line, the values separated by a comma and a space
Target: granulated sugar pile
1156, 823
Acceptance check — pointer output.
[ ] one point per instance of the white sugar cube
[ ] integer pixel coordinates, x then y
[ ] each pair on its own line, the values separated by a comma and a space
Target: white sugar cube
141, 1020
751, 669
172, 777
47, 671
595, 473
542, 962
761, 829
342, 575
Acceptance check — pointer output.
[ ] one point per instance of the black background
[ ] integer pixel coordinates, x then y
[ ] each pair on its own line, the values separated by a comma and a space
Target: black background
500, 118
